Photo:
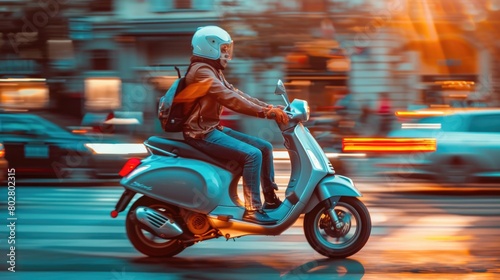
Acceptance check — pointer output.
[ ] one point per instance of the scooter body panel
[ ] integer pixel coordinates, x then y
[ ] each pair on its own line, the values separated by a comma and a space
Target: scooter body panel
184, 182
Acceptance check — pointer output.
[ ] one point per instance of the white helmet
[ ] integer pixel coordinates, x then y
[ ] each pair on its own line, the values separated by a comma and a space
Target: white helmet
210, 41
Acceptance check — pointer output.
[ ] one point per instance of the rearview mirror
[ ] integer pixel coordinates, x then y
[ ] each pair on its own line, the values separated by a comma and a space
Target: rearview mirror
280, 88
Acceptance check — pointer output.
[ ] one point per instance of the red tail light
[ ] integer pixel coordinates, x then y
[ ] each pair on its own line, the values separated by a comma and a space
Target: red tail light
129, 166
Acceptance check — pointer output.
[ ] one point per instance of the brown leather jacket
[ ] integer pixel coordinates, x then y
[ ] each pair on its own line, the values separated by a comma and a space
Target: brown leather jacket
205, 115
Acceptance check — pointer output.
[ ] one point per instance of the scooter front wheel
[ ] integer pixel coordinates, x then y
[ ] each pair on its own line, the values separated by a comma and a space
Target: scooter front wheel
145, 242
343, 240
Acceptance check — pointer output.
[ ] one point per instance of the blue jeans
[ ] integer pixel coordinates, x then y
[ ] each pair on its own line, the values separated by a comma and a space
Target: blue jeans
254, 154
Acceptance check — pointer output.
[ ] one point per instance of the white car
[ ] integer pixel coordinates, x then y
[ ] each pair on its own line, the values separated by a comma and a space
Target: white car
468, 148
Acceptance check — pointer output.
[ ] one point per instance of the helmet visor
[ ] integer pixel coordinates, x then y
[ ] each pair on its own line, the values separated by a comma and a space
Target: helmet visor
226, 51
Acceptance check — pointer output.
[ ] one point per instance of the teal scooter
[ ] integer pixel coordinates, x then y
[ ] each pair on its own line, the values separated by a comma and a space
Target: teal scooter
189, 197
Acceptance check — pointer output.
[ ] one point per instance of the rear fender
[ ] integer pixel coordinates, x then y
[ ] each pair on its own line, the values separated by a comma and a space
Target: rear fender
124, 200
332, 186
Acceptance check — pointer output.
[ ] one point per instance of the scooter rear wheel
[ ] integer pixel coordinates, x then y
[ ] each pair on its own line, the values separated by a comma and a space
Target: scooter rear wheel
332, 242
144, 241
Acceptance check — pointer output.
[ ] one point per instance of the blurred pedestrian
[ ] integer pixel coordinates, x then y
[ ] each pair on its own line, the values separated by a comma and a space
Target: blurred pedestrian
385, 114
343, 105
365, 114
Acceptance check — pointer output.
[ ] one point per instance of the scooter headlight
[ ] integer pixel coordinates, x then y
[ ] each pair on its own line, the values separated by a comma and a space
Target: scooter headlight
308, 112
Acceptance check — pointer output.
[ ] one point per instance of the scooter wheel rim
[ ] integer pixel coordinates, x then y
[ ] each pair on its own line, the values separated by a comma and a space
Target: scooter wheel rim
344, 240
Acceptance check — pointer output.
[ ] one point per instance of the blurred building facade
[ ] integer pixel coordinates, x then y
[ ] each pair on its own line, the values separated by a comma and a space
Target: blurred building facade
84, 56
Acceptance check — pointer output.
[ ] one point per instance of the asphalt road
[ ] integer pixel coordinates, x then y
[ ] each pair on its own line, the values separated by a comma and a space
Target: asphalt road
67, 233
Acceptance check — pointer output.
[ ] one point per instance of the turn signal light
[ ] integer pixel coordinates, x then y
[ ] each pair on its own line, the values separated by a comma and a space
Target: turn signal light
129, 166
389, 145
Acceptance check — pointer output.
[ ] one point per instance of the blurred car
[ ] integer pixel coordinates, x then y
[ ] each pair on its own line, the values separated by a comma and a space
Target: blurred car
38, 148
4, 165
468, 147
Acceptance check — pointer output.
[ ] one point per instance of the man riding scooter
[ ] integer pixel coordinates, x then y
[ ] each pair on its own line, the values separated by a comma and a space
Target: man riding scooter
213, 47
187, 196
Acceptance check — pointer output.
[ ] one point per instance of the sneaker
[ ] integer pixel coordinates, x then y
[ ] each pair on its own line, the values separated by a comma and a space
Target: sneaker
271, 200
258, 216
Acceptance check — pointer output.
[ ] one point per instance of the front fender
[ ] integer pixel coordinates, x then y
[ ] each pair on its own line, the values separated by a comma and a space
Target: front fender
332, 186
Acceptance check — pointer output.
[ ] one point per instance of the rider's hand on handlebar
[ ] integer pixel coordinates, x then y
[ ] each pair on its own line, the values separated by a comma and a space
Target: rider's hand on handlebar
270, 106
278, 114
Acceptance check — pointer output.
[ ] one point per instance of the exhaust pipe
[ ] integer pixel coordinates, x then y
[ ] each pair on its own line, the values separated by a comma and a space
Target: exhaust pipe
154, 222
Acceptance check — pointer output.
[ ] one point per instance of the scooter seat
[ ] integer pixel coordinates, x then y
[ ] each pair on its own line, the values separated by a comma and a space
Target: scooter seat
182, 149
